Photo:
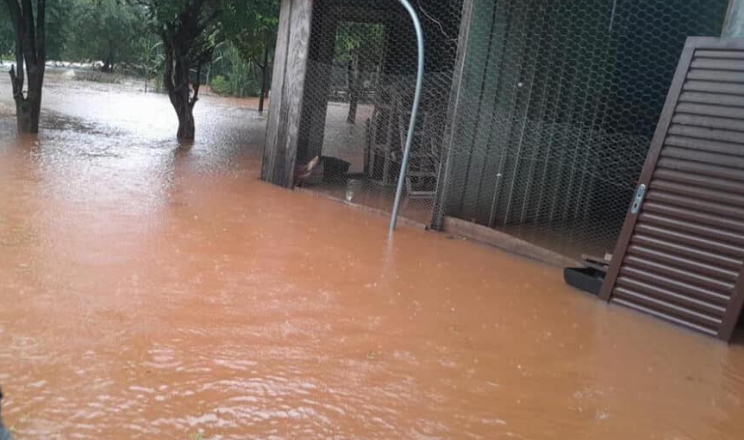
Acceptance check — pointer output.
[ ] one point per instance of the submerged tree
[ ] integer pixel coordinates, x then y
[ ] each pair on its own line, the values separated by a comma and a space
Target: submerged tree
189, 30
30, 60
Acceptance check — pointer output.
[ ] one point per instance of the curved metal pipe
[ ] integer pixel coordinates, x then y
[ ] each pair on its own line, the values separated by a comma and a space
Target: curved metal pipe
414, 113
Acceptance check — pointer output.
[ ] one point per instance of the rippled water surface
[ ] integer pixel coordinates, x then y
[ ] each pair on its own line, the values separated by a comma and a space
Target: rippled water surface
154, 291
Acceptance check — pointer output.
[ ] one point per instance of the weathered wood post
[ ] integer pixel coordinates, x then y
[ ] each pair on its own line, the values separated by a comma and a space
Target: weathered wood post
439, 210
288, 90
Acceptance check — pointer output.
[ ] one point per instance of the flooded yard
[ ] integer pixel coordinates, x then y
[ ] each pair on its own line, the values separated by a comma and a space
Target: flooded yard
163, 292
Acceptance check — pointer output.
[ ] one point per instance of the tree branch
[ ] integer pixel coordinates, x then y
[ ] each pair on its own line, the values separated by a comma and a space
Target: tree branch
195, 98
41, 32
168, 74
16, 83
17, 77
29, 38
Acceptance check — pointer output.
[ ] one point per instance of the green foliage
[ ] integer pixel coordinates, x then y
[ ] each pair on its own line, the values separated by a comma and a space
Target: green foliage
234, 76
189, 31
151, 60
250, 29
220, 85
105, 30
58, 20
86, 30
57, 17
353, 37
237, 34
7, 39
362, 41
251, 26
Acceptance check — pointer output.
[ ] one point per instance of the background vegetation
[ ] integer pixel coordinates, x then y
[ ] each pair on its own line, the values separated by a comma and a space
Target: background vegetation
117, 37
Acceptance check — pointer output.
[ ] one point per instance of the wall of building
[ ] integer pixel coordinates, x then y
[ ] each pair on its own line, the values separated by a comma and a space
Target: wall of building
558, 104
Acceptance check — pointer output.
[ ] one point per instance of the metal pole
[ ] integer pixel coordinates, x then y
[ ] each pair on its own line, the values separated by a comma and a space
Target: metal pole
414, 113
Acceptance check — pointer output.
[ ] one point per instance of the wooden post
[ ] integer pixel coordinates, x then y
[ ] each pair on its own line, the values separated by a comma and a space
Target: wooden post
734, 26
288, 89
441, 198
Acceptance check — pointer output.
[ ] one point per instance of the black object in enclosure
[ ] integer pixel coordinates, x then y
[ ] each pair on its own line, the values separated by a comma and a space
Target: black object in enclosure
586, 279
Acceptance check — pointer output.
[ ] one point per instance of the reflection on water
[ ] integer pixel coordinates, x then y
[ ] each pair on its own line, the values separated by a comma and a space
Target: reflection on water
157, 291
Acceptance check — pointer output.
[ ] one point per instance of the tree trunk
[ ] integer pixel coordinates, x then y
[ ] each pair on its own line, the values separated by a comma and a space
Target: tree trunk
108, 64
176, 80
28, 106
185, 46
28, 112
264, 79
186, 125
30, 51
23, 117
184, 108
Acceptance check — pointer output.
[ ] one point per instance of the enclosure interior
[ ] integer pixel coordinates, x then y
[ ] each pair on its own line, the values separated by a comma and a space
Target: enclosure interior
540, 132
360, 81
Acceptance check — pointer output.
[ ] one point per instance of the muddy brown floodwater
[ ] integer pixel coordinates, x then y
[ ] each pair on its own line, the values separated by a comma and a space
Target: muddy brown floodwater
156, 292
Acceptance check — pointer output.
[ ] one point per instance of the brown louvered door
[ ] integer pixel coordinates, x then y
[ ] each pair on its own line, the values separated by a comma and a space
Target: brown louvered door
680, 253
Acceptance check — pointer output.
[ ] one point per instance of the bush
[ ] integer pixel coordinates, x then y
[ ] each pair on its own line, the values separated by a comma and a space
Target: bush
239, 86
97, 77
220, 85
233, 76
245, 84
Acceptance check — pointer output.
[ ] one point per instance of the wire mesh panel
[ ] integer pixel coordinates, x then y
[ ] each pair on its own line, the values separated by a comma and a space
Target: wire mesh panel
361, 82
556, 108
536, 114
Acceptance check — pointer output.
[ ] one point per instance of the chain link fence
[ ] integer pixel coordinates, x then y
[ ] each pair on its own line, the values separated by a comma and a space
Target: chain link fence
536, 115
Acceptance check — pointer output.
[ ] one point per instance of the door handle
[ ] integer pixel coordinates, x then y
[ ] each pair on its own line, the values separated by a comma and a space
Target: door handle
638, 201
